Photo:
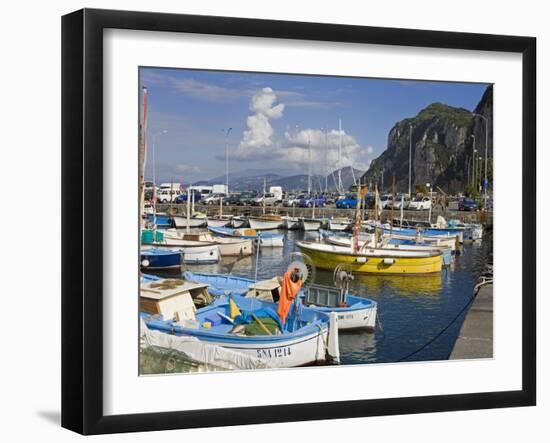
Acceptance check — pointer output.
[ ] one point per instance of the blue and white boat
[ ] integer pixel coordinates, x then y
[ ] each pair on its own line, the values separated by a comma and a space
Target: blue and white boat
153, 259
429, 232
302, 340
265, 239
353, 312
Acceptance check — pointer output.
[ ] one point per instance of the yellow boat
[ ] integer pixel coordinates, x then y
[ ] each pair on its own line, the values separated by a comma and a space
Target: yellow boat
375, 261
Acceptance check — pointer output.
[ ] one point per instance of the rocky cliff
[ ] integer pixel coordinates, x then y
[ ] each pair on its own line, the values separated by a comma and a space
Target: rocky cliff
442, 148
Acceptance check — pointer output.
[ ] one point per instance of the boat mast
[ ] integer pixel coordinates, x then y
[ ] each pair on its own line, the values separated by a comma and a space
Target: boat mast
339, 156
376, 214
142, 148
357, 219
188, 208
309, 167
263, 200
392, 204
227, 162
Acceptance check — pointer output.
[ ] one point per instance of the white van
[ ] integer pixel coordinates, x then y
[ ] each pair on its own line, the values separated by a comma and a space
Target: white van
277, 191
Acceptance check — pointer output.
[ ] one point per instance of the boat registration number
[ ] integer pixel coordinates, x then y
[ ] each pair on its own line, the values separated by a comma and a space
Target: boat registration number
274, 352
345, 317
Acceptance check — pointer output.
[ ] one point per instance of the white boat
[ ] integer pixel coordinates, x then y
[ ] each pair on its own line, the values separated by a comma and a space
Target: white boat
193, 252
339, 224
264, 239
310, 224
218, 222
239, 222
265, 223
181, 222
291, 222
228, 246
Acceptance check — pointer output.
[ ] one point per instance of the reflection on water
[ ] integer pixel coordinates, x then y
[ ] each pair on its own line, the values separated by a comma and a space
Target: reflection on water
411, 309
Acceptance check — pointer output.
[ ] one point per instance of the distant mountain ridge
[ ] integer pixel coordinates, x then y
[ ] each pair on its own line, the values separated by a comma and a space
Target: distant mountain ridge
240, 181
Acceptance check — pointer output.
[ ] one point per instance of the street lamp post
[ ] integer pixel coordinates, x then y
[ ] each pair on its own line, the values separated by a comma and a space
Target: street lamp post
164, 131
410, 156
227, 161
486, 120
473, 160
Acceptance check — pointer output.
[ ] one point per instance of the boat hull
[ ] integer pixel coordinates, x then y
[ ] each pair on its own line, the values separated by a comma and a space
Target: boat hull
152, 259
233, 247
291, 223
337, 226
263, 225
194, 252
181, 222
218, 223
373, 264
310, 224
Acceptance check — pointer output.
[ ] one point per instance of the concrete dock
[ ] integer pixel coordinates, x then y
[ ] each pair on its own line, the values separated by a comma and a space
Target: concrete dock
475, 339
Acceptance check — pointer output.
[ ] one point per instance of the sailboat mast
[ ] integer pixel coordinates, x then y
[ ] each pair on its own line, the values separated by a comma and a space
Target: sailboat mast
309, 167
227, 161
340, 155
142, 147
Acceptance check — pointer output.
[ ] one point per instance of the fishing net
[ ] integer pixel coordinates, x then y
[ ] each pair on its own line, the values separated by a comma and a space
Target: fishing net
256, 329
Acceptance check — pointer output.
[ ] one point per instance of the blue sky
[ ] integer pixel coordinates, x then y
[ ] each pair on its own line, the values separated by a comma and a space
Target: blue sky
280, 123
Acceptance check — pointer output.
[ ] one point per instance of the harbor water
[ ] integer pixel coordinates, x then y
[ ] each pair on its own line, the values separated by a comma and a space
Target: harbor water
419, 317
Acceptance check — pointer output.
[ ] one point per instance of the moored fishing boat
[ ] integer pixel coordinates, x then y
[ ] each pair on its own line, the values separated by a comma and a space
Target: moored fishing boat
264, 239
310, 224
265, 222
429, 232
291, 222
193, 252
339, 223
218, 222
353, 312
157, 259
228, 246
193, 222
372, 260
239, 221
244, 325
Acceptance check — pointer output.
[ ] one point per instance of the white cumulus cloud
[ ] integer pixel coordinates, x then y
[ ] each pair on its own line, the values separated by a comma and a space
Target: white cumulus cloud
324, 149
257, 141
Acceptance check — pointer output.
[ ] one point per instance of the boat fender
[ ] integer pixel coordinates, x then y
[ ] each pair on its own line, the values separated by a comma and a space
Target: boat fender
389, 261
145, 263
333, 346
361, 259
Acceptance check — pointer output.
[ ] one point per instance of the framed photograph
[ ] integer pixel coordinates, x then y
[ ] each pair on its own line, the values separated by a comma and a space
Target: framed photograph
270, 221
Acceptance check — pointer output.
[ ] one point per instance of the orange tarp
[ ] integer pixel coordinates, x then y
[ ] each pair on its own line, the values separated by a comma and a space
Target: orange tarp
289, 290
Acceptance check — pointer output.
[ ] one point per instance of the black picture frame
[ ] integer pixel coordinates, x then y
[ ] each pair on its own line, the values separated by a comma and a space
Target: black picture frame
82, 215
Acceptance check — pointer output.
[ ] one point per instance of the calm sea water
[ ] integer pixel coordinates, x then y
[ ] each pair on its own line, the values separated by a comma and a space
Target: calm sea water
412, 310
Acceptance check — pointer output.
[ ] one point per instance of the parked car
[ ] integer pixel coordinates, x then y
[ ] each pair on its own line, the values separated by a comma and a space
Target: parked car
182, 198
232, 199
308, 202
213, 199
347, 202
420, 204
386, 201
292, 200
167, 195
247, 198
467, 204
269, 198
350, 201
397, 204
